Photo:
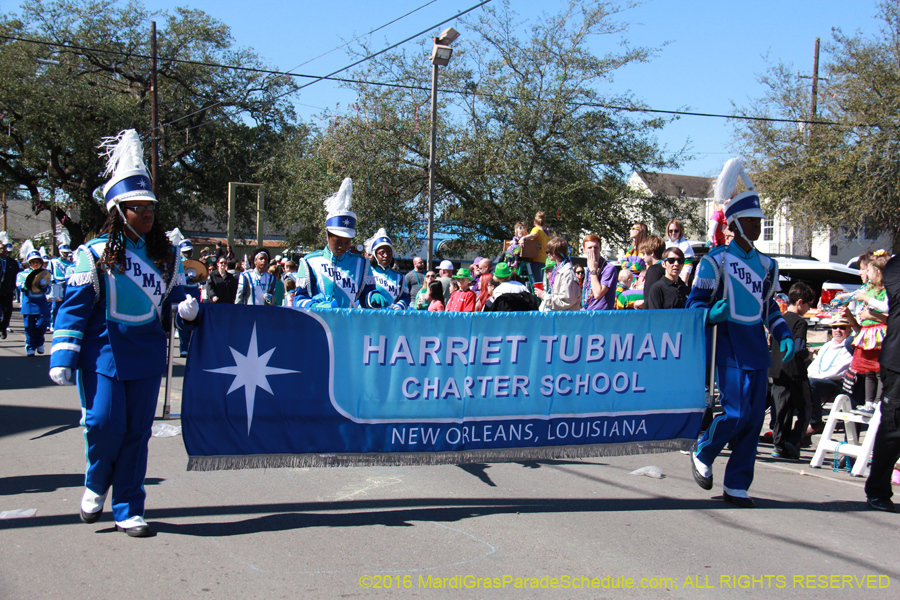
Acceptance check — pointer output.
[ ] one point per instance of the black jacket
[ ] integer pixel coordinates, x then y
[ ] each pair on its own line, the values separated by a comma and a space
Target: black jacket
225, 288
8, 276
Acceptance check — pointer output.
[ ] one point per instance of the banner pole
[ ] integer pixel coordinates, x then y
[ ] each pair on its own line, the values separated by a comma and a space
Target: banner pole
165, 410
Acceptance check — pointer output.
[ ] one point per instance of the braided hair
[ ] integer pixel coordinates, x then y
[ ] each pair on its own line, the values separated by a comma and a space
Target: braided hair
159, 249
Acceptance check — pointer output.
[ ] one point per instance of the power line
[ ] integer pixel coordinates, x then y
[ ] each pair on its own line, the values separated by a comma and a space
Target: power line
330, 77
363, 35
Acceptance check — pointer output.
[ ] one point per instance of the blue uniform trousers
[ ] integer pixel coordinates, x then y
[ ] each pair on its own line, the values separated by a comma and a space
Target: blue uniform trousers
117, 417
54, 310
743, 398
35, 326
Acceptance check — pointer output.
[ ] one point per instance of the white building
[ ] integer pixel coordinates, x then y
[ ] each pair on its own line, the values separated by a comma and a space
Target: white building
779, 236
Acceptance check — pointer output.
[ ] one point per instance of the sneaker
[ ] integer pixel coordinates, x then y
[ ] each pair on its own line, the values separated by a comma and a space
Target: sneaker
3, 335
866, 411
29, 351
40, 349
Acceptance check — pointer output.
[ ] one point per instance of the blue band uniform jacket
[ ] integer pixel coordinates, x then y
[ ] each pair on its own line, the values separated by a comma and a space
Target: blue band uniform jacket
110, 322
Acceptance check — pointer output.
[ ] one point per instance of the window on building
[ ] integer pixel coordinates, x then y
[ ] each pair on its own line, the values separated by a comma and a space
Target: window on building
768, 230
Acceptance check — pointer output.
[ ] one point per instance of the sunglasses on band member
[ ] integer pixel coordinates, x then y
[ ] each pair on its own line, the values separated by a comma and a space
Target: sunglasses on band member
139, 210
672, 261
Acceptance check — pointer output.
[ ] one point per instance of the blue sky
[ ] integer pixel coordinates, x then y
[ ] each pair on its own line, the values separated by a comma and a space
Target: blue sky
716, 49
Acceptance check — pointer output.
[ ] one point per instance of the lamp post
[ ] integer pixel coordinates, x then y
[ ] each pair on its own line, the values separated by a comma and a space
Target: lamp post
440, 56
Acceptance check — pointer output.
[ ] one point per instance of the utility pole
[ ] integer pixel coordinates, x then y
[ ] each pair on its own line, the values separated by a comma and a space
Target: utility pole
4, 212
154, 116
815, 84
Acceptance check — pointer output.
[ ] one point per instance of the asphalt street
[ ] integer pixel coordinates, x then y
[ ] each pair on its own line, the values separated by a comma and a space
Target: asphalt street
475, 531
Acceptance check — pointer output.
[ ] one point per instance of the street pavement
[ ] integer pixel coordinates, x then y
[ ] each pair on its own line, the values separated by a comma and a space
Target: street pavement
474, 531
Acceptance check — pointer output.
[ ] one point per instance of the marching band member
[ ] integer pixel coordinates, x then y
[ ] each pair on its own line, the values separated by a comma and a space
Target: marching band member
60, 268
257, 285
34, 283
334, 277
191, 287
737, 284
110, 332
390, 286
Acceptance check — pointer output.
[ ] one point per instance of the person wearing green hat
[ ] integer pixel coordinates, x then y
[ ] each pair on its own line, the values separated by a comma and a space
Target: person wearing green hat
463, 299
511, 295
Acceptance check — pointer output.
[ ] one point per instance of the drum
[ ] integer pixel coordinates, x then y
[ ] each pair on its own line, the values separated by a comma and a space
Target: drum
57, 292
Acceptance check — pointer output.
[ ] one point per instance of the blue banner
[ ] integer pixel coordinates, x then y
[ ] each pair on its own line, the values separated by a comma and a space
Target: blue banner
268, 386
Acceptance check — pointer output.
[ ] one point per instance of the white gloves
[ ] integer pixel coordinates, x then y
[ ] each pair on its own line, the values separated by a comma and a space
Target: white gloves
189, 309
61, 375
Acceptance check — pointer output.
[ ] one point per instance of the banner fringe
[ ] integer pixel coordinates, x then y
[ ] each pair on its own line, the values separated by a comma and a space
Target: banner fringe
403, 459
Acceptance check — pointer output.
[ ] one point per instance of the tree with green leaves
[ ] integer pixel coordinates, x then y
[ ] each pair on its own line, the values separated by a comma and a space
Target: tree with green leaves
527, 122
75, 71
840, 169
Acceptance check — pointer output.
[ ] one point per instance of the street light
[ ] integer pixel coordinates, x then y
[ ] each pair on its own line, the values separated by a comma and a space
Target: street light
440, 56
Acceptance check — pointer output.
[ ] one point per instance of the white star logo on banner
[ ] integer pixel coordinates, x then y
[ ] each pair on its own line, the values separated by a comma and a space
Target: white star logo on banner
250, 372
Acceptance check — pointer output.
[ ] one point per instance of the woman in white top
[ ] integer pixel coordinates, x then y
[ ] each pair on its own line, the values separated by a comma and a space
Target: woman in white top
676, 239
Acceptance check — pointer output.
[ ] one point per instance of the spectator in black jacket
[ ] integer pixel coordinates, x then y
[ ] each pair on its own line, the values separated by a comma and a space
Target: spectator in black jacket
670, 291
887, 439
9, 268
790, 383
221, 285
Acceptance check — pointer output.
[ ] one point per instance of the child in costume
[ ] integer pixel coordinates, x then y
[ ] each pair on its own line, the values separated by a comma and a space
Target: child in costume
736, 283
391, 290
60, 268
33, 283
334, 277
513, 254
463, 299
873, 326
110, 332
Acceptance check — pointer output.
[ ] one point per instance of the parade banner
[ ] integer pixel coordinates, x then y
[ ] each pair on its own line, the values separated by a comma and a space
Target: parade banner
268, 386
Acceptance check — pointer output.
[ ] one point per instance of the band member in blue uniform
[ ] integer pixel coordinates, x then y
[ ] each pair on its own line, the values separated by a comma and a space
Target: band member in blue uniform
110, 332
191, 287
9, 268
737, 284
390, 290
60, 268
257, 286
334, 277
34, 283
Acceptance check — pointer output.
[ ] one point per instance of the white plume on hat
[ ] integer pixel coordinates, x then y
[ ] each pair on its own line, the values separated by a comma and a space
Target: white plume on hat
726, 183
44, 253
125, 165
4, 238
340, 220
175, 236
63, 239
341, 199
25, 249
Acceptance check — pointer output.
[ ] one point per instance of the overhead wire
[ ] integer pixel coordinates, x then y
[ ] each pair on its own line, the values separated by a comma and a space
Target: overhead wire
331, 77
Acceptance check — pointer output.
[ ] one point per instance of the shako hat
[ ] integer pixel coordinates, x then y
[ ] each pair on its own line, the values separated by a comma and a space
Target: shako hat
129, 179
340, 220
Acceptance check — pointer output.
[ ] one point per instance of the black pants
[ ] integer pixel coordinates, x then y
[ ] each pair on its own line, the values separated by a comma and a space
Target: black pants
887, 440
789, 398
823, 390
6, 309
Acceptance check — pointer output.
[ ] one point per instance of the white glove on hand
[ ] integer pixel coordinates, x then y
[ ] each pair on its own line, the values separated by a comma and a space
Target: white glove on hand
189, 309
61, 375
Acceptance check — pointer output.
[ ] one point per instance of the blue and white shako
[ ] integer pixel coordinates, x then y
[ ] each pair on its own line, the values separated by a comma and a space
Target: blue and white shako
185, 246
129, 177
340, 220
381, 239
745, 204
33, 255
